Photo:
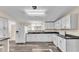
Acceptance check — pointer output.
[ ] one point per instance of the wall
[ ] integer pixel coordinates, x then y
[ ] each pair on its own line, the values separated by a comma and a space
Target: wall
12, 29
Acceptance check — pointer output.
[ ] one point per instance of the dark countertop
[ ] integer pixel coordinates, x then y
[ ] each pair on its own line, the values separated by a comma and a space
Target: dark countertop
43, 32
4, 38
68, 36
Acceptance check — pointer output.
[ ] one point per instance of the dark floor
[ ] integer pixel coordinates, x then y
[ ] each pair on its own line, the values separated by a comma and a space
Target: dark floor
32, 47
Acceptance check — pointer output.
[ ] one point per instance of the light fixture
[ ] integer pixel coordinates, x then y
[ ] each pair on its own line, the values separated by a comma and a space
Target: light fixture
34, 7
35, 11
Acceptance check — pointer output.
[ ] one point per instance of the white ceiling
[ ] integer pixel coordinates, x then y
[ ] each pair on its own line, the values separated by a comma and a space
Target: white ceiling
52, 13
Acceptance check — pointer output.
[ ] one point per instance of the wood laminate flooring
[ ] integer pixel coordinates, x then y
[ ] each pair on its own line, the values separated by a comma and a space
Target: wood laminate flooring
32, 47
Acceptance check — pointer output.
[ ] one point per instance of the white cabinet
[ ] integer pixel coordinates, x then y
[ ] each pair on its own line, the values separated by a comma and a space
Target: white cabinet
55, 39
70, 21
73, 45
39, 38
31, 37
63, 23
49, 26
67, 22
58, 24
62, 44
3, 27
74, 21
59, 42
68, 45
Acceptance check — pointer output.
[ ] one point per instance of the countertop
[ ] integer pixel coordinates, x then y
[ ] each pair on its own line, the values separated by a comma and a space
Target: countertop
43, 33
68, 36
4, 38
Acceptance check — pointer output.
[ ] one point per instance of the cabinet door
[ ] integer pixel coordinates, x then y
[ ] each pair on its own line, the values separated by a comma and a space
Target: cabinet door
56, 25
63, 44
49, 25
55, 40
59, 42
63, 23
60, 24
74, 21
68, 26
73, 45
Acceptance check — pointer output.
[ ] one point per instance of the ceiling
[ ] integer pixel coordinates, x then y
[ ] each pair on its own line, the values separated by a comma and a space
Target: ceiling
52, 13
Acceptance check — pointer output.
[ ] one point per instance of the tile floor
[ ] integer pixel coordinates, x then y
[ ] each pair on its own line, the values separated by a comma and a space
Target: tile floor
32, 47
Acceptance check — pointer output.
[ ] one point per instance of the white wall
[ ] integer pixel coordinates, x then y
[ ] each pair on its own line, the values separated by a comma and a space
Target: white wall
12, 29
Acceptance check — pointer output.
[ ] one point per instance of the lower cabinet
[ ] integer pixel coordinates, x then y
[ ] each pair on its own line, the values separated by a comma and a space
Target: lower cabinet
59, 42
72, 45
39, 38
65, 45
68, 45
62, 44
55, 40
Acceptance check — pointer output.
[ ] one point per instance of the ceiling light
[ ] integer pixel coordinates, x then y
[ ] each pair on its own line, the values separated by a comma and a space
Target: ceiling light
34, 7
36, 12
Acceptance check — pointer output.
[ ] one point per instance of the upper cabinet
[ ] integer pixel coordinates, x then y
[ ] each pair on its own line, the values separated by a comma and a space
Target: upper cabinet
3, 27
70, 22
58, 24
67, 22
74, 21
49, 26
63, 23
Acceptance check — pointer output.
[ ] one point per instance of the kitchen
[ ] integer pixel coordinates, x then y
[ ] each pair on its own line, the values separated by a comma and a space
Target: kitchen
55, 26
